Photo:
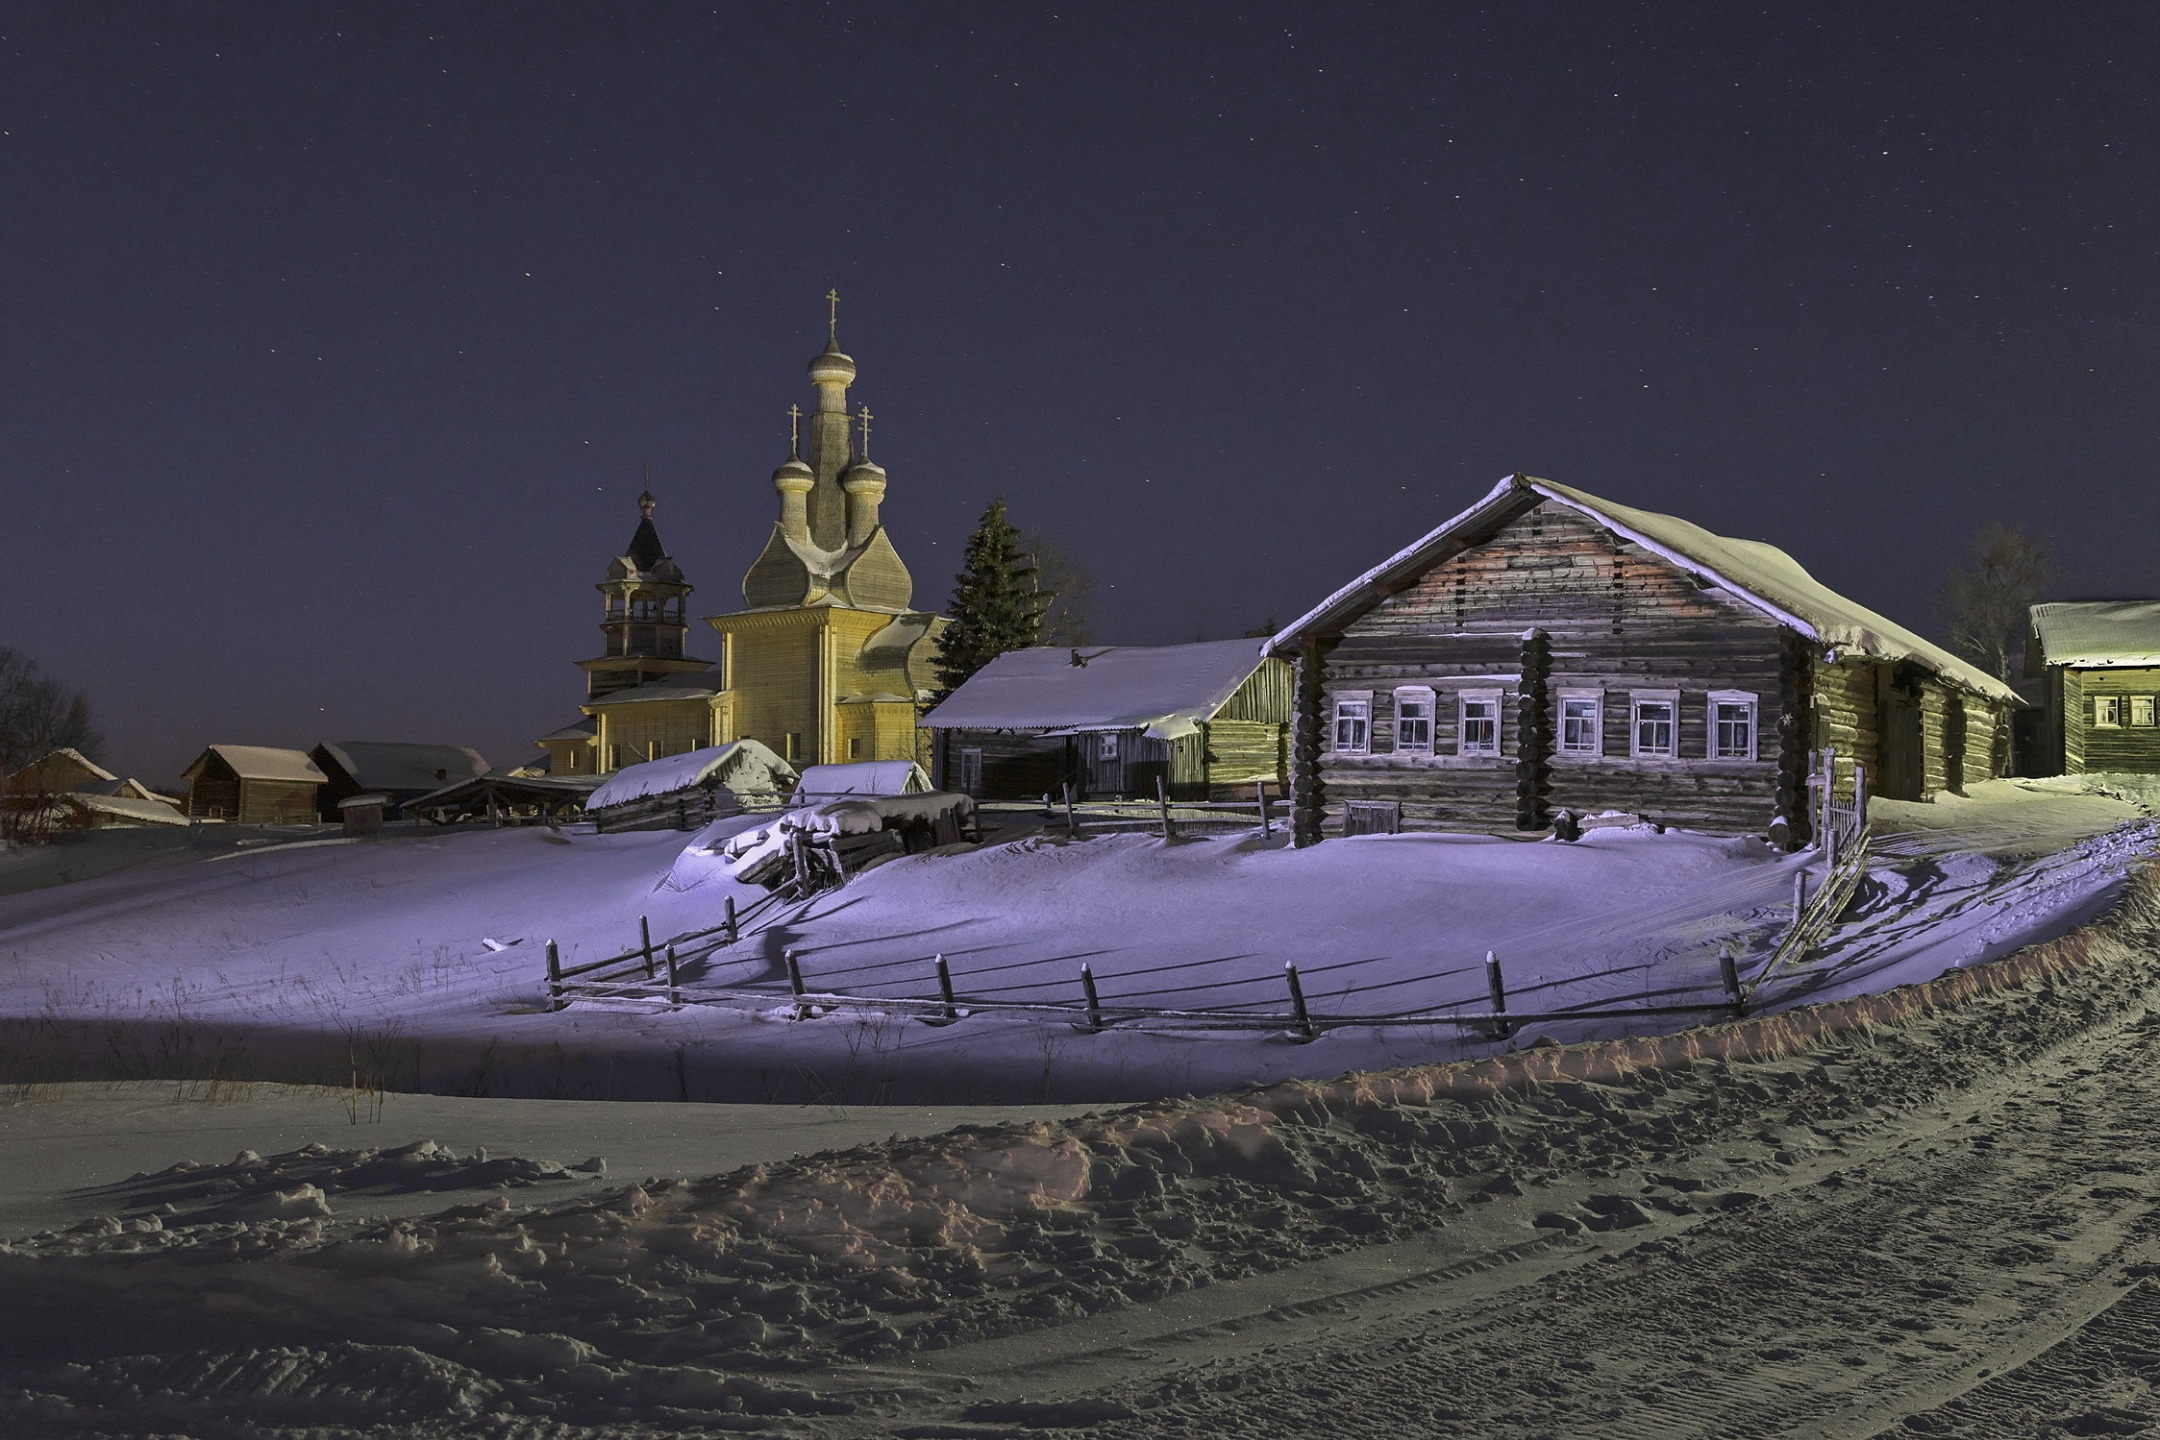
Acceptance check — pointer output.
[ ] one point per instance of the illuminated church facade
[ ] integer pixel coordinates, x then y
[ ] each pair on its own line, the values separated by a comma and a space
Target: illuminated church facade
826, 662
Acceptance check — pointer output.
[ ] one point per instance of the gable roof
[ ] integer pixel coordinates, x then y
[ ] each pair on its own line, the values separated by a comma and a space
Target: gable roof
746, 767
1164, 689
667, 687
263, 762
396, 765
1754, 572
2099, 633
863, 777
41, 769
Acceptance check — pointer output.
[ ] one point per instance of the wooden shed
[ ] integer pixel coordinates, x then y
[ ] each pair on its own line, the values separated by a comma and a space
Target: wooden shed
253, 784
2099, 664
1211, 720
1547, 651
398, 771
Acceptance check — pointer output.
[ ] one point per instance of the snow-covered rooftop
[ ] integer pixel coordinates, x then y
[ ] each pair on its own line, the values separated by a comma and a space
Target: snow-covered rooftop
2099, 633
743, 766
864, 777
1751, 570
1164, 689
395, 765
267, 762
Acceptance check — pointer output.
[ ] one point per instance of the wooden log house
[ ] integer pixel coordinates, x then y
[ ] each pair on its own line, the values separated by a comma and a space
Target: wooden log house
253, 784
1211, 720
2099, 664
397, 771
1547, 652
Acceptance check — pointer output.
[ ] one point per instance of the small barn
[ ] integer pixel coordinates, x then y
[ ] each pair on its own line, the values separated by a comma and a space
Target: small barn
1210, 720
1548, 651
253, 784
745, 770
96, 796
861, 777
2098, 662
396, 770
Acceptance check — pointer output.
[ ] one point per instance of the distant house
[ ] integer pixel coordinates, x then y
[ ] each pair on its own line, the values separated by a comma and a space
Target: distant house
2099, 663
1210, 720
254, 784
393, 769
1547, 651
76, 793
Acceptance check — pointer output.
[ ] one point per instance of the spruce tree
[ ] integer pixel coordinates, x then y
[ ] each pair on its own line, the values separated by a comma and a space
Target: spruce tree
996, 604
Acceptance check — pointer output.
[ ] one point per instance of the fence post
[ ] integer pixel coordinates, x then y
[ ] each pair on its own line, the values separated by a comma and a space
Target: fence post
674, 994
1072, 826
1094, 1001
1799, 896
728, 930
1829, 804
1859, 798
1729, 972
795, 983
644, 935
944, 986
1162, 798
1301, 1019
1498, 992
554, 977
1266, 827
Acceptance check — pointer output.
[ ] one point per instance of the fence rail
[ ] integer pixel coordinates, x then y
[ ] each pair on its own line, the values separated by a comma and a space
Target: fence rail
1162, 814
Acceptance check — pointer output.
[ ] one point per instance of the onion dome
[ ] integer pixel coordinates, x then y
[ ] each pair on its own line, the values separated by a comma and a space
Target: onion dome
831, 367
794, 475
862, 475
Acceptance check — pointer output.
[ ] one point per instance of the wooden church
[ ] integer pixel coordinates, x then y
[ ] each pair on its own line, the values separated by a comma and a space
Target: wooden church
1549, 652
826, 663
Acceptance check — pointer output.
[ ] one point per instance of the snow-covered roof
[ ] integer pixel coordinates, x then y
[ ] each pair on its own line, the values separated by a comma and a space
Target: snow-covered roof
583, 728
864, 777
64, 757
266, 762
1164, 689
1752, 571
746, 767
2099, 633
128, 807
674, 687
395, 765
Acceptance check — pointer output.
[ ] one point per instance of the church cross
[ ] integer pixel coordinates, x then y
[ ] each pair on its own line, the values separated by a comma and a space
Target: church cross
794, 432
866, 432
832, 322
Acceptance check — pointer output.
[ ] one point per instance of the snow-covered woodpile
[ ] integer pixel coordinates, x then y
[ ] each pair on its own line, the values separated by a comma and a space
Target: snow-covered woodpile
1548, 651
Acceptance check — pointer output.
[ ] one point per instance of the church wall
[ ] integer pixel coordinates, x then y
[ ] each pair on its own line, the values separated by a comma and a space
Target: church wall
650, 730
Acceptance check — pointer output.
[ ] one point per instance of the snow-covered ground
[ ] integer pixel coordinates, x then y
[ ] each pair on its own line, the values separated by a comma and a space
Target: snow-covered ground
416, 961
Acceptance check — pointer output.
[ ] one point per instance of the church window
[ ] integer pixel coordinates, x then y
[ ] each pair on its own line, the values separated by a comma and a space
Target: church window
1414, 720
793, 746
854, 747
1480, 723
1582, 723
1353, 724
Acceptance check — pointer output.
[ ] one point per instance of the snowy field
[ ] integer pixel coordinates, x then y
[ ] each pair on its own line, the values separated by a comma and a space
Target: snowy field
415, 962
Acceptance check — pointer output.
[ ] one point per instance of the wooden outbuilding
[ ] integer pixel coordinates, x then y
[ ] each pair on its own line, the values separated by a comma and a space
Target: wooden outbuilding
1549, 653
2099, 665
1210, 720
396, 770
253, 784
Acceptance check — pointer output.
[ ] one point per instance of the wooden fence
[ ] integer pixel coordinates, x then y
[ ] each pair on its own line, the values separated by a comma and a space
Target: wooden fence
1168, 818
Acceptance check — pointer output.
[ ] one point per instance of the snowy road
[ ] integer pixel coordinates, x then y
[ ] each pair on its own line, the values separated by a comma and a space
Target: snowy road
1947, 1226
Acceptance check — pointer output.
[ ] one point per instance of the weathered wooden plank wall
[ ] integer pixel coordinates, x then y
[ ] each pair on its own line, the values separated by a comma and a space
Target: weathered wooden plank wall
2126, 746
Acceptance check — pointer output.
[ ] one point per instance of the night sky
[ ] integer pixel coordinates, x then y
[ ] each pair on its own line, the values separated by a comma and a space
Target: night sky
336, 339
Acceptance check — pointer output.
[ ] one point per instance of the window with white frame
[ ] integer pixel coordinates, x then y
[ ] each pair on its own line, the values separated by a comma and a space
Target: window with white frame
2107, 711
2141, 710
1478, 728
1353, 723
1106, 745
1582, 722
970, 771
1414, 720
1654, 724
1732, 725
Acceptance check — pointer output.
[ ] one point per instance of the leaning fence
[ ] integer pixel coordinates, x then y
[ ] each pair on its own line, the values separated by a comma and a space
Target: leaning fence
1167, 817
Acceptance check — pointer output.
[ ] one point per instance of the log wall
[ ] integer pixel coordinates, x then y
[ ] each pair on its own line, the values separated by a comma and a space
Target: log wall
2123, 747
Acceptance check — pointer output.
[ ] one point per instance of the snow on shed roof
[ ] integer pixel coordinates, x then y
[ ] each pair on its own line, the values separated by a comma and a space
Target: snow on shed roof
864, 777
395, 765
1751, 570
1164, 689
746, 767
266, 762
128, 807
2099, 633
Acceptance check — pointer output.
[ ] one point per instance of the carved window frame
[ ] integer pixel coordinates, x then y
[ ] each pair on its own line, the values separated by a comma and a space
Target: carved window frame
1416, 695
1715, 741
1350, 732
1464, 699
1595, 699
1638, 702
